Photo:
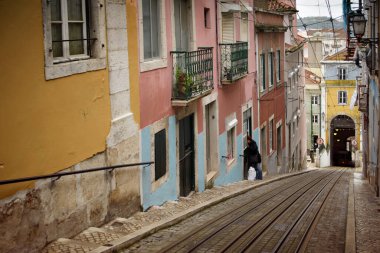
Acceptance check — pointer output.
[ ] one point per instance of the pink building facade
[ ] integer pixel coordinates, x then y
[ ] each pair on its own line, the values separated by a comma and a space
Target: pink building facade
198, 94
271, 86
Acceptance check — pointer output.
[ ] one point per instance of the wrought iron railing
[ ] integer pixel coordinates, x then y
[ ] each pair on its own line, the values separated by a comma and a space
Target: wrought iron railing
234, 61
192, 73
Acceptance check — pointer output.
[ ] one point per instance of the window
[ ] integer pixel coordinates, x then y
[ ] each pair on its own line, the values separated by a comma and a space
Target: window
151, 28
315, 118
278, 66
271, 139
68, 29
207, 17
314, 100
231, 143
159, 154
279, 145
231, 123
342, 97
74, 37
244, 26
262, 72
152, 32
270, 69
247, 126
342, 73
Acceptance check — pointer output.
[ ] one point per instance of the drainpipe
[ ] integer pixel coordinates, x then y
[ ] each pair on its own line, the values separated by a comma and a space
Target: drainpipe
217, 42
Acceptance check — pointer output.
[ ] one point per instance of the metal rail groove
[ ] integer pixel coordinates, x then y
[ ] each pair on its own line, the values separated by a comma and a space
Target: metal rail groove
214, 226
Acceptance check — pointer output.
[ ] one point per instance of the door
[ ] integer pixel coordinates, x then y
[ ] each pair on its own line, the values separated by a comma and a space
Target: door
182, 17
247, 130
279, 146
263, 140
211, 137
186, 156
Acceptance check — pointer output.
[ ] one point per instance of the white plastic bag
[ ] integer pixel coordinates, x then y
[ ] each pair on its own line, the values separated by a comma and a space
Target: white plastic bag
251, 174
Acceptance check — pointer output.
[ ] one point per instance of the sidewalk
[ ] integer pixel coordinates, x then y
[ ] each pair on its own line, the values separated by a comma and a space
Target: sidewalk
122, 232
367, 220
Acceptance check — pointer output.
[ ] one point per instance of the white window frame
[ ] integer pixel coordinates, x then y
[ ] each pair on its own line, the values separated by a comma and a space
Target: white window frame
342, 97
65, 34
342, 73
315, 100
271, 134
315, 119
270, 70
231, 150
262, 72
61, 67
231, 127
161, 61
278, 66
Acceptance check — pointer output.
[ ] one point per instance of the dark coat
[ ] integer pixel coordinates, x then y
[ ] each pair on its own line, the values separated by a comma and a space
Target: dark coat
253, 154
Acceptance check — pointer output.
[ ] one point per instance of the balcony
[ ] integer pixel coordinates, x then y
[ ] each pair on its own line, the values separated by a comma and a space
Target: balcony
192, 75
234, 61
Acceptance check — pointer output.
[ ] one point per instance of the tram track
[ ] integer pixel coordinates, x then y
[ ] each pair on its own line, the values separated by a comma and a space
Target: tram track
277, 221
211, 228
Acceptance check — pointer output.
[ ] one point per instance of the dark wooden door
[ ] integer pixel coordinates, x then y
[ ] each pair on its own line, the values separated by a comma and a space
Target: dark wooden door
186, 155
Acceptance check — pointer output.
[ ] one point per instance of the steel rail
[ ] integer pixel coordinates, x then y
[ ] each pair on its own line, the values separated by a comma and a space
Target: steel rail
257, 233
313, 223
302, 213
237, 213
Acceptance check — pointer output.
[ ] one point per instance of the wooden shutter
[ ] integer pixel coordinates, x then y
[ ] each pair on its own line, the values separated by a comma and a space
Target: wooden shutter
244, 27
228, 27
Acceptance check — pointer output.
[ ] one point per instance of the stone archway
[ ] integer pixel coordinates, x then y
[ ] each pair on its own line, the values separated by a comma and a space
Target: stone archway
342, 132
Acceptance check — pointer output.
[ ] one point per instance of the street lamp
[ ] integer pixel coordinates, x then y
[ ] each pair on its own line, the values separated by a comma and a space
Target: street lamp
359, 22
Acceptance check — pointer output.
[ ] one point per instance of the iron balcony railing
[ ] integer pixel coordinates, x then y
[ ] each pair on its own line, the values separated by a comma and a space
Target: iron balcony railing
234, 61
192, 73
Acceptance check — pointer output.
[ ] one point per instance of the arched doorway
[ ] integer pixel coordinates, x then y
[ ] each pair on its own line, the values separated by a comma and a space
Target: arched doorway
342, 132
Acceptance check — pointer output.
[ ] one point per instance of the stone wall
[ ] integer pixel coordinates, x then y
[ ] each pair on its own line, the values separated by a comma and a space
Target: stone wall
52, 209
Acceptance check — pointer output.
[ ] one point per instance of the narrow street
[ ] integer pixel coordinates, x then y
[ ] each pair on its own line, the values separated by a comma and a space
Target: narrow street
312, 211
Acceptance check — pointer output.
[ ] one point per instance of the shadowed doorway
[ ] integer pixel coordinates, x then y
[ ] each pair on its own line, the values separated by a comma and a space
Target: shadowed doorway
342, 132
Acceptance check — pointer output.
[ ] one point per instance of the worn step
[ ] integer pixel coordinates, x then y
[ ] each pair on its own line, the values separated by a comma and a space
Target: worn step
98, 236
63, 245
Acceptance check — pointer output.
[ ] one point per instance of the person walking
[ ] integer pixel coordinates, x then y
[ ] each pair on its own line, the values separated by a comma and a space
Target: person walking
254, 157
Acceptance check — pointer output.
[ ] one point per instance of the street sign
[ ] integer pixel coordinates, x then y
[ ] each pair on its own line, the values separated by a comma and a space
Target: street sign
354, 142
320, 141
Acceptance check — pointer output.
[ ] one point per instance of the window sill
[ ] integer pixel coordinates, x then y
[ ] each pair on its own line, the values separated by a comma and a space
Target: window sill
210, 176
64, 69
153, 64
157, 183
230, 162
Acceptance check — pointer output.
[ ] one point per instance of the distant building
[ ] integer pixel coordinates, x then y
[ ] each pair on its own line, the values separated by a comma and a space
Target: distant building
340, 117
313, 108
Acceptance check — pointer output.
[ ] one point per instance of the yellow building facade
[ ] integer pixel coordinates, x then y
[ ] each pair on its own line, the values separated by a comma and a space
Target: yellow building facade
341, 122
67, 103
